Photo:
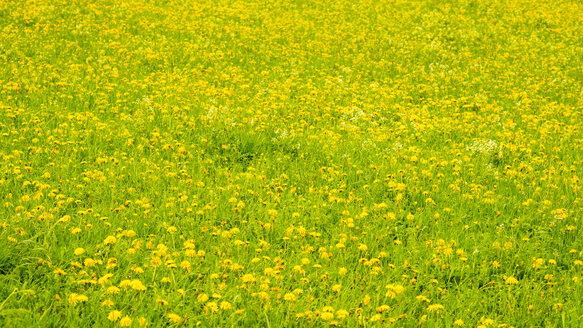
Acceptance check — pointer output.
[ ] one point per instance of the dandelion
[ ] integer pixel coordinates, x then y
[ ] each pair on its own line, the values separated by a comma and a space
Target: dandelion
435, 307
393, 290
75, 298
114, 315
511, 281
174, 318
110, 240
202, 298
125, 321
290, 297
341, 314
248, 278
212, 307
89, 262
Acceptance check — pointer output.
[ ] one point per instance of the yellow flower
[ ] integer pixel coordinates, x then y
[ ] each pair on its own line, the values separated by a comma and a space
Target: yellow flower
79, 251
458, 322
212, 307
142, 322
161, 301
173, 317
383, 308
107, 302
394, 290
109, 240
136, 284
226, 305
342, 313
113, 290
511, 281
290, 297
337, 288
327, 315
75, 298
114, 315
105, 278
125, 283
375, 318
248, 278
203, 298
89, 262
125, 321
435, 307
59, 271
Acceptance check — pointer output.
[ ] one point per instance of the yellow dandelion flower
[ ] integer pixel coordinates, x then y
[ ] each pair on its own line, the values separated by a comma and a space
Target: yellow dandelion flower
125, 321
202, 298
393, 290
511, 281
75, 298
435, 307
109, 240
173, 317
342, 313
114, 315
290, 297
212, 307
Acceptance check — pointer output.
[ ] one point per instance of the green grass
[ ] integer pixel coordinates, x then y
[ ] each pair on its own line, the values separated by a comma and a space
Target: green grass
291, 164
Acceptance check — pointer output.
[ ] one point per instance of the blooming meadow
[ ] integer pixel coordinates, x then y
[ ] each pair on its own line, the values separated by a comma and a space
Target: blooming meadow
291, 163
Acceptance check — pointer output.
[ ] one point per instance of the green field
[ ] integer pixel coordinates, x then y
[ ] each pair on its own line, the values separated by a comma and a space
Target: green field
315, 163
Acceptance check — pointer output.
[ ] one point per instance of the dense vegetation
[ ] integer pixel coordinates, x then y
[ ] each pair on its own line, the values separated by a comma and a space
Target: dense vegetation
298, 163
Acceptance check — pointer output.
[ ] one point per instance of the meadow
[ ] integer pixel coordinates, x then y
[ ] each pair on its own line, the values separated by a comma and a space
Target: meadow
225, 163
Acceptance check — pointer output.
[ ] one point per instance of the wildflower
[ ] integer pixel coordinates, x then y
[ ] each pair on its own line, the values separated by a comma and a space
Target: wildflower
248, 278
375, 318
75, 298
435, 307
109, 240
342, 313
290, 297
327, 315
161, 301
125, 283
114, 315
107, 302
173, 317
394, 290
79, 251
59, 272
89, 262
125, 321
511, 281
202, 298
212, 307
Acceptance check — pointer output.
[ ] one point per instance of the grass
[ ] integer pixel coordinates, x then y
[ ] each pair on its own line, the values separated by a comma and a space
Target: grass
298, 164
